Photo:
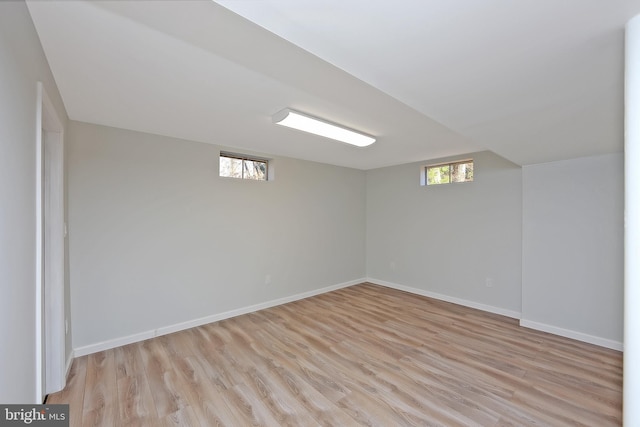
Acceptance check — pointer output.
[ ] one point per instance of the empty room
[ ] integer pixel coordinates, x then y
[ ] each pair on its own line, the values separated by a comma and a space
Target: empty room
318, 212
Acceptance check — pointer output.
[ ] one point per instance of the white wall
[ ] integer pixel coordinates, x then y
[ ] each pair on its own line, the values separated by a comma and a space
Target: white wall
448, 239
157, 238
572, 246
22, 65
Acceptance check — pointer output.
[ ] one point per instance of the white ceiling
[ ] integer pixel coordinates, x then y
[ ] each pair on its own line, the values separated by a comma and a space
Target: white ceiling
532, 80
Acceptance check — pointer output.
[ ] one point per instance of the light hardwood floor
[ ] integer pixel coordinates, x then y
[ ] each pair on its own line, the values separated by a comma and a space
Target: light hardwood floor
364, 355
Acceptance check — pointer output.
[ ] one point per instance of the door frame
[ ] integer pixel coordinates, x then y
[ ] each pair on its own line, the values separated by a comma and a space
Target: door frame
50, 249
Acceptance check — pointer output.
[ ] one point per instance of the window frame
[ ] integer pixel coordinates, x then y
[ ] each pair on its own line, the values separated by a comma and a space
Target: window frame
244, 158
424, 181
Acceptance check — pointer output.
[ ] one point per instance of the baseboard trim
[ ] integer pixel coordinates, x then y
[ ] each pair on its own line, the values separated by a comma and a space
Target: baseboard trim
130, 339
568, 333
447, 298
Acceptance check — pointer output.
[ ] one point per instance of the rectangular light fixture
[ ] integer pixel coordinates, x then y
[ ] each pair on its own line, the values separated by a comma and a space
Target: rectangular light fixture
306, 123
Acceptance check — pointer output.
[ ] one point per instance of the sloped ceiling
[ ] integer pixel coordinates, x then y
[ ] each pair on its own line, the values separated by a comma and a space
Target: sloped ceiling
532, 80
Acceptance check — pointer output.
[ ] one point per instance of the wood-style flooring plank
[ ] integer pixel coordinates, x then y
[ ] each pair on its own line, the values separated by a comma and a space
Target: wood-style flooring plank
100, 406
74, 391
162, 378
363, 355
135, 402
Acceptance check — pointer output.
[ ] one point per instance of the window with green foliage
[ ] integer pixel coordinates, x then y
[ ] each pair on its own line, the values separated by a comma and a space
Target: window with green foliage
446, 173
243, 167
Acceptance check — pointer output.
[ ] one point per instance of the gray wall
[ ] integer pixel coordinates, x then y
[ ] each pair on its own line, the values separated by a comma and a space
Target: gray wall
157, 238
448, 239
573, 228
22, 65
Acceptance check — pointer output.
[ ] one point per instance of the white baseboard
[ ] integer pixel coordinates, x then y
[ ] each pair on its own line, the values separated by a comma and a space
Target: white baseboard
568, 333
447, 298
118, 342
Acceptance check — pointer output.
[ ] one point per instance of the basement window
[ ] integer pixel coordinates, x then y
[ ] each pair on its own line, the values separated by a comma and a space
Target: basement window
233, 165
447, 173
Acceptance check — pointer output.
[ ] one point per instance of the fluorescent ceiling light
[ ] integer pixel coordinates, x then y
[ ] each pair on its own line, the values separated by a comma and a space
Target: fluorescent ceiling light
303, 122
